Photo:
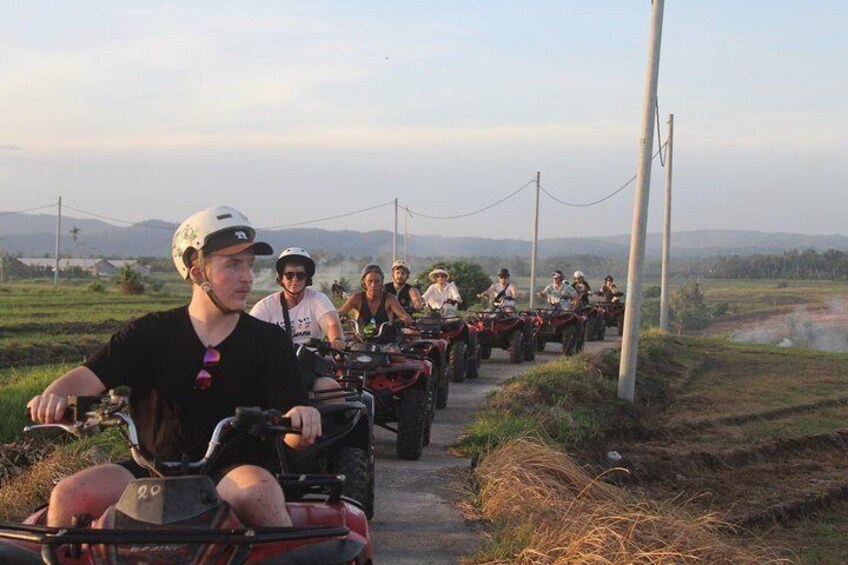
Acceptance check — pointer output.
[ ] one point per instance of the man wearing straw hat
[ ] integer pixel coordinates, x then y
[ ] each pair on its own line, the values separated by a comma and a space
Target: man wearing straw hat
442, 296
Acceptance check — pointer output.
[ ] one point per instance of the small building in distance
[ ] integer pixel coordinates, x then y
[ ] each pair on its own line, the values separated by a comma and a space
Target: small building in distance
104, 268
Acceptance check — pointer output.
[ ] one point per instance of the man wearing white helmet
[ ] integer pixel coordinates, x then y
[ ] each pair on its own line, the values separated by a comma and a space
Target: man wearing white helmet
300, 310
407, 295
582, 287
556, 292
187, 369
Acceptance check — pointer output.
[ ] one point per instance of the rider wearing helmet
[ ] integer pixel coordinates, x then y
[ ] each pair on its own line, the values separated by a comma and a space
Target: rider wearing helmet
609, 290
188, 368
407, 295
304, 313
373, 305
557, 291
300, 310
503, 293
582, 287
442, 296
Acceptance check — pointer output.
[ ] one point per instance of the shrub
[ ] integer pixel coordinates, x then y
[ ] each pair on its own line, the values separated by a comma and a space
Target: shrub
129, 281
688, 308
96, 286
470, 278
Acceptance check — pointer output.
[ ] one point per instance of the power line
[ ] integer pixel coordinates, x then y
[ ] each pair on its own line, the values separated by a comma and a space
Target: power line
504, 199
28, 210
659, 132
108, 218
607, 197
391, 202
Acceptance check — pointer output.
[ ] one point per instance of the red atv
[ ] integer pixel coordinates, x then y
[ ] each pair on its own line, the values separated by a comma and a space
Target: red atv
614, 311
507, 330
178, 518
463, 349
559, 325
435, 350
595, 321
401, 383
353, 455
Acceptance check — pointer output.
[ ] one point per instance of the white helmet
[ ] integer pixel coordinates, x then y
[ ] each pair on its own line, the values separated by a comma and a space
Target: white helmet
578, 274
214, 229
401, 264
302, 256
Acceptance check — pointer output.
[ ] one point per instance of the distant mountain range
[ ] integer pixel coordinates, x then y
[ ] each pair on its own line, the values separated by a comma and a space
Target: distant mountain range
34, 235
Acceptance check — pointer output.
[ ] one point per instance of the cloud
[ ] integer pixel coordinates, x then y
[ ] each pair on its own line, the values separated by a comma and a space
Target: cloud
11, 148
363, 137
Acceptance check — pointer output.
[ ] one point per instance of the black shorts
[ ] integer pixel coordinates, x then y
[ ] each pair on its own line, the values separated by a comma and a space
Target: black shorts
139, 472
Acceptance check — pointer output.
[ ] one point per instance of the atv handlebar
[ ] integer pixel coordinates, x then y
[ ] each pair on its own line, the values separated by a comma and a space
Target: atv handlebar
112, 411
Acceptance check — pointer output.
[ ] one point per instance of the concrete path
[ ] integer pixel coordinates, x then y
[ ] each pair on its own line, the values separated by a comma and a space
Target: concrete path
417, 520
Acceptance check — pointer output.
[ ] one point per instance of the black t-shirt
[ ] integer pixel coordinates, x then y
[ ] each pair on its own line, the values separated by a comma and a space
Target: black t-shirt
402, 296
159, 356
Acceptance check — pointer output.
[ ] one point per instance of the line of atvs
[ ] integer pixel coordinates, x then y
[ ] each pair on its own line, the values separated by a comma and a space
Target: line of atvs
395, 378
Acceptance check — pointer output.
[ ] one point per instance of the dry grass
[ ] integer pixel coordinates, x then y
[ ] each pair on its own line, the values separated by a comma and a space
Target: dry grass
22, 494
550, 511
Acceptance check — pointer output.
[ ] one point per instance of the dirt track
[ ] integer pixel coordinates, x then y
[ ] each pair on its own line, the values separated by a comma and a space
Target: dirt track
417, 520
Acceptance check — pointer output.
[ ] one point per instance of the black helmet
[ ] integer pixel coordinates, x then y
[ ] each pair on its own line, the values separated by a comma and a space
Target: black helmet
503, 273
557, 273
608, 278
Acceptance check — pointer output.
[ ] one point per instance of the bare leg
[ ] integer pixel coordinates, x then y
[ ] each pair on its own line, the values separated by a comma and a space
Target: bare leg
255, 496
91, 490
324, 389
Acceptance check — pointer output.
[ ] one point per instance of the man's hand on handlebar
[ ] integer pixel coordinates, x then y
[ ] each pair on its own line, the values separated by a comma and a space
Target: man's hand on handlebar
308, 419
47, 408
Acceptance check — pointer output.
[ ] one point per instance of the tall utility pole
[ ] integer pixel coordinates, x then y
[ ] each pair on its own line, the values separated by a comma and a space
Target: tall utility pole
394, 238
2, 261
405, 233
666, 245
535, 241
56, 250
630, 339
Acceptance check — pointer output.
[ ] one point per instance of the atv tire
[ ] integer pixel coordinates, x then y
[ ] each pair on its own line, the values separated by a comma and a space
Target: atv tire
602, 330
474, 361
485, 352
352, 462
529, 344
569, 339
412, 423
580, 338
442, 391
620, 324
591, 332
516, 347
540, 344
458, 361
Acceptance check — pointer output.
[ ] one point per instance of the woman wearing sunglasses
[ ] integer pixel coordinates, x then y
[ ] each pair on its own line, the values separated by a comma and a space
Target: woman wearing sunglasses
187, 369
442, 296
300, 310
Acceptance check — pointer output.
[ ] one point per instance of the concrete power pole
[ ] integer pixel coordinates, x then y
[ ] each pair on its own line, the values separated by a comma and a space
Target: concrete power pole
405, 233
535, 241
2, 261
394, 238
56, 250
630, 339
666, 246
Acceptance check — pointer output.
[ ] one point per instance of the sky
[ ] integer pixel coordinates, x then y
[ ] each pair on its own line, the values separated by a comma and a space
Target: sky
300, 111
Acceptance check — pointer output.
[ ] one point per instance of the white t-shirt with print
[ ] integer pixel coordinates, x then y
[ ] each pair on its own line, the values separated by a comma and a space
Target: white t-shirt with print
304, 317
